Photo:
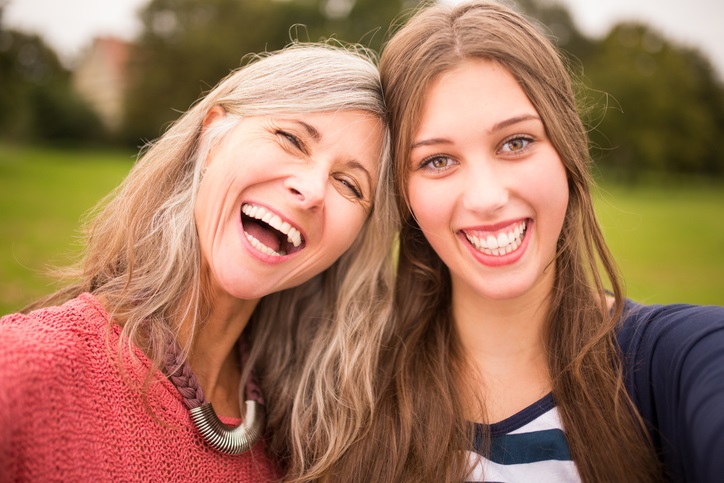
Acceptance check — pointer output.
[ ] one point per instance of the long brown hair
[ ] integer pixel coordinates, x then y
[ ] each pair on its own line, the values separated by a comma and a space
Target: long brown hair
417, 433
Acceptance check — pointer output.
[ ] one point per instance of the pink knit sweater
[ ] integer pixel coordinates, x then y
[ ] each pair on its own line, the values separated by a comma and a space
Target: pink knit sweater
67, 413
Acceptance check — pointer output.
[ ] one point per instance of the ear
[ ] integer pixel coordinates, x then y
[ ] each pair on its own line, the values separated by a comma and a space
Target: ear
214, 114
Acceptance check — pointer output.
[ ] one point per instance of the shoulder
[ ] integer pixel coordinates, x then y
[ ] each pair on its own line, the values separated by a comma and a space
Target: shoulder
51, 337
666, 341
80, 315
662, 327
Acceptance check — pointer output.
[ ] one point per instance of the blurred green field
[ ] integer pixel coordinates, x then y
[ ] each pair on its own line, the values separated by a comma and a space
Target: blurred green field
668, 239
43, 196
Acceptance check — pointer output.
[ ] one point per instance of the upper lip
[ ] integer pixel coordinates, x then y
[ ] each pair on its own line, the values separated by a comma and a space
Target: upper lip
495, 228
275, 220
485, 235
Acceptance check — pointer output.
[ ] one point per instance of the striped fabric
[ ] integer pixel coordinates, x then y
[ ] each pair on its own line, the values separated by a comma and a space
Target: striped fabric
528, 446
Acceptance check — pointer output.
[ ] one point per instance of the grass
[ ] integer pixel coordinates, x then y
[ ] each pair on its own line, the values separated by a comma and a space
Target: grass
43, 196
667, 238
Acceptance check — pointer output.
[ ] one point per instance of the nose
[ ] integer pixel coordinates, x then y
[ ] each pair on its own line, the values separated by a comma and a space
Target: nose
486, 189
308, 185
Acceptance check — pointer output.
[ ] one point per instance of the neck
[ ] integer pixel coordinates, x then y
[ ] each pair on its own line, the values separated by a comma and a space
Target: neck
213, 355
503, 344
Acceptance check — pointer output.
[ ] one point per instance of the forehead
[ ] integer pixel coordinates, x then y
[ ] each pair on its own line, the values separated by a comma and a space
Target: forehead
478, 89
346, 121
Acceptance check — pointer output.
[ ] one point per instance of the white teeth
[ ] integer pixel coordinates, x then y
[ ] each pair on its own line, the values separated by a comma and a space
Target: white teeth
261, 247
275, 222
502, 240
260, 213
504, 243
492, 242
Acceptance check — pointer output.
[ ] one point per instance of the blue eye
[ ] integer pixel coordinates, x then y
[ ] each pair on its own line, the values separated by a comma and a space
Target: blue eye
351, 187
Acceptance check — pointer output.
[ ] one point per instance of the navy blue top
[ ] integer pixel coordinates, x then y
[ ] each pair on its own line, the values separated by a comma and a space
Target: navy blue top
674, 367
528, 446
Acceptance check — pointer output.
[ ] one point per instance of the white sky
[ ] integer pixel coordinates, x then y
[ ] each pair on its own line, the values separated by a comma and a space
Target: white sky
70, 25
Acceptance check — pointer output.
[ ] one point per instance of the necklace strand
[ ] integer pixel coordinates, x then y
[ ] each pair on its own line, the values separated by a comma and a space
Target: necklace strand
225, 439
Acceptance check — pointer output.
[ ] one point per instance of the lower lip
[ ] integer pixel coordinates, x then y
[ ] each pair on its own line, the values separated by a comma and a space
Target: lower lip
500, 260
269, 259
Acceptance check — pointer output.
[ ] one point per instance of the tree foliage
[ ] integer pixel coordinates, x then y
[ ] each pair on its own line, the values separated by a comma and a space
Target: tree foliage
665, 104
188, 45
651, 104
37, 102
554, 20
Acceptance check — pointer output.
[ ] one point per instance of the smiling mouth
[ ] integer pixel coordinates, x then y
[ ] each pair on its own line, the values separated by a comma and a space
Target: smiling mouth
499, 243
267, 232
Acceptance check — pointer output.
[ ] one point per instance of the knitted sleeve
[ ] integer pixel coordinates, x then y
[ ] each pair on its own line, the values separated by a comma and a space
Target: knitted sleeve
7, 466
21, 364
43, 356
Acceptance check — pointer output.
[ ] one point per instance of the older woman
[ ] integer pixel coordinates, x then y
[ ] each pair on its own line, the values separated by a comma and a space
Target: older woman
257, 224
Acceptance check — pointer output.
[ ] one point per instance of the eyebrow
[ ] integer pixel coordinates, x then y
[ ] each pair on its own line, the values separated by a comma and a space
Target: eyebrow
512, 121
313, 132
354, 164
496, 127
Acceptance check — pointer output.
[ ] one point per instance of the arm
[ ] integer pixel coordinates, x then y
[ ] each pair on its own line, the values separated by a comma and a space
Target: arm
12, 388
676, 360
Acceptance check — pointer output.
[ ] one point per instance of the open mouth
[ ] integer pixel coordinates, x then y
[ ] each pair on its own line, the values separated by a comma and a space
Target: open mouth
268, 233
499, 243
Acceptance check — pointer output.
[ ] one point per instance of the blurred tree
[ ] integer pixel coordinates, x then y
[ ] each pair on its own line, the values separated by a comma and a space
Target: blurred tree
665, 107
37, 102
368, 22
663, 104
558, 24
187, 46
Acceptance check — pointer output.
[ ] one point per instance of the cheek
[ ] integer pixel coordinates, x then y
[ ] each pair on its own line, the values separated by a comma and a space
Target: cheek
560, 194
555, 196
429, 202
215, 204
345, 227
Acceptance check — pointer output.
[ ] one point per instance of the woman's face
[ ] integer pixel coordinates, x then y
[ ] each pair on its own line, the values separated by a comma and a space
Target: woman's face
284, 196
485, 184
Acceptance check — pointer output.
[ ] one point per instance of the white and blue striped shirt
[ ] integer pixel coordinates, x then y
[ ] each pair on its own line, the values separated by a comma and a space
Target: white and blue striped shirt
528, 446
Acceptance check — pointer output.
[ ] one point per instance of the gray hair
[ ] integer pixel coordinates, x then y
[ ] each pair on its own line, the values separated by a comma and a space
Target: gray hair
143, 257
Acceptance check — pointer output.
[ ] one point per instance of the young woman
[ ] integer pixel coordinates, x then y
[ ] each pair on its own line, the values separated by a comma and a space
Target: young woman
512, 361
259, 223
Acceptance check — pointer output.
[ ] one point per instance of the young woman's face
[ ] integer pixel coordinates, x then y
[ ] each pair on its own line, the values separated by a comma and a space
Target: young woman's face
486, 186
284, 196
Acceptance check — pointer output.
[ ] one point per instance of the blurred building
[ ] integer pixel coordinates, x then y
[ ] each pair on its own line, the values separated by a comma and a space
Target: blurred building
100, 78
